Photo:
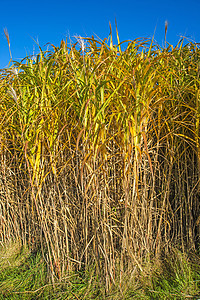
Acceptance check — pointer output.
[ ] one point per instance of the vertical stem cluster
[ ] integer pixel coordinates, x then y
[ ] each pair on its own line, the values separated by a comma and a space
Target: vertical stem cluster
100, 154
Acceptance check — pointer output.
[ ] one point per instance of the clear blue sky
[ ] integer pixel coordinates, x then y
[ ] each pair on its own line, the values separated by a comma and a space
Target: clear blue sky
50, 21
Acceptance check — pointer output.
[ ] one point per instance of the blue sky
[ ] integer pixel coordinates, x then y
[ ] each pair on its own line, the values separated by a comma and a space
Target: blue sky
48, 21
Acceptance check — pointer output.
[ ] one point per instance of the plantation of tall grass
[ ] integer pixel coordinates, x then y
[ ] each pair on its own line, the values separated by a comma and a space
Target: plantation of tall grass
100, 155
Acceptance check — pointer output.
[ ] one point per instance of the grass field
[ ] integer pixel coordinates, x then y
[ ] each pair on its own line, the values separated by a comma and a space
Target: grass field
100, 171
25, 275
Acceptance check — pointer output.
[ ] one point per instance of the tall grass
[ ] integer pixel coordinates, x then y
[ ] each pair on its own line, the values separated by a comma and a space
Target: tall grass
100, 154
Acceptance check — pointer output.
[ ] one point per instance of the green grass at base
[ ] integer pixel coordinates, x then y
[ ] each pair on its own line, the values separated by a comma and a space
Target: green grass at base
24, 275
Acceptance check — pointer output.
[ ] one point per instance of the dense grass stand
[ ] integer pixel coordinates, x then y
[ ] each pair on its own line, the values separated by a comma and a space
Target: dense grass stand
100, 168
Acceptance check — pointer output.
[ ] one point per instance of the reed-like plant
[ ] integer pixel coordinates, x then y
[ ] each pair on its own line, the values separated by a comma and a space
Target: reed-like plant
100, 154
